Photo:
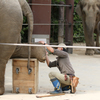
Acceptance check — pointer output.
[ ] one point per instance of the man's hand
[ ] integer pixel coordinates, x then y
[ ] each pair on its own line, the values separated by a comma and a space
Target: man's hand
48, 47
42, 42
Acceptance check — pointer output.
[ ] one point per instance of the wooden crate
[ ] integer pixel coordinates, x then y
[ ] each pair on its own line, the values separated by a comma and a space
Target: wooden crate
22, 81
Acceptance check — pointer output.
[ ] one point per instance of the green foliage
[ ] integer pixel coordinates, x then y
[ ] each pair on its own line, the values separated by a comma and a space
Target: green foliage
57, 1
54, 20
24, 31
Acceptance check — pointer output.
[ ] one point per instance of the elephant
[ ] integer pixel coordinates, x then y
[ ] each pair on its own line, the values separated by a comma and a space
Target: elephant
36, 52
11, 20
89, 11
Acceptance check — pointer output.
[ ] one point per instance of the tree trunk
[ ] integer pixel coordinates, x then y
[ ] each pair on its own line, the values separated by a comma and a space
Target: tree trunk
61, 22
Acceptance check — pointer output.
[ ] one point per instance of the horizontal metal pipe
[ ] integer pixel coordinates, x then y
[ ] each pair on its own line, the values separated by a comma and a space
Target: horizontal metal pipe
45, 24
49, 5
51, 24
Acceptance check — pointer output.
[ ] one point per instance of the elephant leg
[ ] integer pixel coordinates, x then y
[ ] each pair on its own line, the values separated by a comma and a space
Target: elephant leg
97, 31
97, 40
37, 52
6, 52
96, 51
89, 52
88, 43
2, 74
89, 37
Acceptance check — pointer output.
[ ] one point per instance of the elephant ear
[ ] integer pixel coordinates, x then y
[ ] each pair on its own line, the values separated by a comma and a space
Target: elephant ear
78, 10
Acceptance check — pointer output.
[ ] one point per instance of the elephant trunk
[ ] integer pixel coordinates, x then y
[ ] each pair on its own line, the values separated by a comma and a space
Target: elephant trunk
89, 34
89, 31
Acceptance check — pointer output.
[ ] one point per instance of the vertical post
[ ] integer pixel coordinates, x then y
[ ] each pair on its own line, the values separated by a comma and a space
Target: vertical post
61, 22
69, 27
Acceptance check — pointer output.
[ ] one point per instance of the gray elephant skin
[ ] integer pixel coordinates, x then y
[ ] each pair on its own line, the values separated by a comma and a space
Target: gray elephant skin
36, 52
11, 20
89, 11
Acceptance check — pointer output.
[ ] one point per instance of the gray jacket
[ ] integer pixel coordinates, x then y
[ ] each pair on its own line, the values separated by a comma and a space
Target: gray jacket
62, 62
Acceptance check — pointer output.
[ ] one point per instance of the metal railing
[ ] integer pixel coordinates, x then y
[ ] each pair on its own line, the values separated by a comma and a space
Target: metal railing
59, 5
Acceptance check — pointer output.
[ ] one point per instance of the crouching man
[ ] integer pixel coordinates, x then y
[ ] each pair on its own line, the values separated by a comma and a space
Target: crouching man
65, 80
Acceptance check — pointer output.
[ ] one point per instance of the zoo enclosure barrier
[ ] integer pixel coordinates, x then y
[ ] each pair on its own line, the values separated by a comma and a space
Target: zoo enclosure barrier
68, 21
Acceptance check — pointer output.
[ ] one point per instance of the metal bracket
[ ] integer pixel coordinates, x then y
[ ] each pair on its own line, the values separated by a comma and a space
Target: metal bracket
70, 6
29, 71
70, 24
17, 70
17, 89
30, 90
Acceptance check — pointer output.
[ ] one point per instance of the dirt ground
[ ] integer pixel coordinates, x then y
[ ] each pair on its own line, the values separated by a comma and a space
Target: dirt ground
87, 68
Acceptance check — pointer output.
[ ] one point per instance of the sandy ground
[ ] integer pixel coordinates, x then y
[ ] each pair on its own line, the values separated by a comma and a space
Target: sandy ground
87, 68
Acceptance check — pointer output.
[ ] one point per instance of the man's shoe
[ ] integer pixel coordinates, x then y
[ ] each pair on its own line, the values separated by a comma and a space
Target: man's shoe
56, 91
57, 86
66, 88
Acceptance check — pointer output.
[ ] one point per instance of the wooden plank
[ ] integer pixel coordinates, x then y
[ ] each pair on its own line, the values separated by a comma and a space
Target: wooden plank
24, 76
50, 95
22, 63
23, 83
22, 68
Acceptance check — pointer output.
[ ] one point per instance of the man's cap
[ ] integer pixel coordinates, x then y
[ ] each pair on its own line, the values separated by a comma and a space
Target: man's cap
62, 44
